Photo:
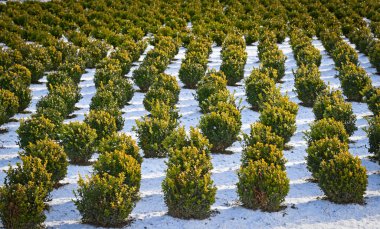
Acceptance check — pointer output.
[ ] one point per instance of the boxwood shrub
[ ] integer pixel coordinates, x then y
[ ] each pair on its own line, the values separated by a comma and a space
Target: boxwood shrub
323, 150
343, 179
105, 200
262, 186
188, 189
52, 154
331, 104
326, 128
78, 140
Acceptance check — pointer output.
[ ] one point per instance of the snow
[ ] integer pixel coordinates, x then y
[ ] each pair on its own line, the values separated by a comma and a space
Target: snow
305, 206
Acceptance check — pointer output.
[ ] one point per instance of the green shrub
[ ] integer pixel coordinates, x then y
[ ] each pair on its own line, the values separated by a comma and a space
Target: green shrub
32, 170
144, 76
373, 132
269, 153
36, 128
233, 62
106, 70
102, 121
343, 179
18, 74
308, 55
274, 58
308, 84
54, 102
105, 200
124, 58
210, 84
223, 95
259, 87
191, 73
52, 114
188, 189
374, 55
23, 93
78, 140
354, 81
73, 69
120, 142
22, 206
373, 101
9, 105
326, 128
323, 150
331, 104
282, 102
57, 78
178, 139
165, 89
117, 162
282, 122
221, 128
52, 154
122, 90
69, 92
262, 186
152, 131
103, 100
95, 51
261, 133
344, 54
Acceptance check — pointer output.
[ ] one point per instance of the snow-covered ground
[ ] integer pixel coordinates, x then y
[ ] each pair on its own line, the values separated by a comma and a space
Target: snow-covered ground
305, 207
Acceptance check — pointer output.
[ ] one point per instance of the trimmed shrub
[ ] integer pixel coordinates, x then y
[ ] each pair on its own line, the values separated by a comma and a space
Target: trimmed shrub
269, 153
188, 189
23, 93
210, 84
122, 90
9, 105
105, 200
152, 131
165, 89
221, 128
17, 73
124, 58
326, 128
54, 102
178, 139
308, 84
343, 179
117, 162
331, 104
57, 78
36, 128
259, 87
282, 122
120, 142
69, 92
308, 55
73, 69
374, 55
191, 72
101, 121
144, 76
262, 186
373, 132
52, 154
22, 206
52, 114
354, 80
323, 150
344, 54
78, 140
373, 101
261, 133
106, 70
222, 96
32, 172
274, 58
282, 102
233, 61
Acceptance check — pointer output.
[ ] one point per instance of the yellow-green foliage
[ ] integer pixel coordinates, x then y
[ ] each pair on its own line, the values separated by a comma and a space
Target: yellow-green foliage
188, 189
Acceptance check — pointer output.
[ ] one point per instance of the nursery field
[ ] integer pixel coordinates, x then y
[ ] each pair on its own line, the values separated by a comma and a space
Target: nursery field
190, 114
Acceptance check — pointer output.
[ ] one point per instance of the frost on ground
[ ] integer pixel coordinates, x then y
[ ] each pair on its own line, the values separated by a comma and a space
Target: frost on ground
305, 206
